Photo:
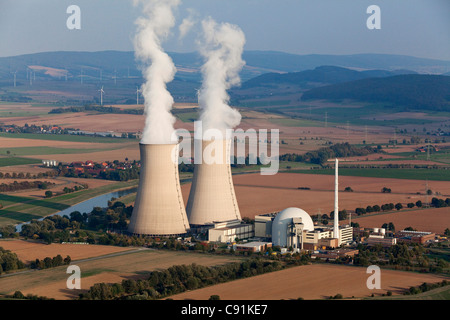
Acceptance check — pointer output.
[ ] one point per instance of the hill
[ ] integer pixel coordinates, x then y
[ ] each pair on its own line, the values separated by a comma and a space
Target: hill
122, 63
414, 91
318, 76
75, 77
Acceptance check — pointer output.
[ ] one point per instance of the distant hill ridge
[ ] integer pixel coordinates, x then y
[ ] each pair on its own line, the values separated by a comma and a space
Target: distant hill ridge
322, 75
415, 91
258, 62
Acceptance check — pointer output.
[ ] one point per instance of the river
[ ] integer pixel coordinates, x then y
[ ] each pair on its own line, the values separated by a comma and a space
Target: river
88, 205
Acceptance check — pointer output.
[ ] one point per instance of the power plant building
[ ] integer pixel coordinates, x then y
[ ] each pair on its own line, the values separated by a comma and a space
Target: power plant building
159, 207
293, 227
228, 231
212, 197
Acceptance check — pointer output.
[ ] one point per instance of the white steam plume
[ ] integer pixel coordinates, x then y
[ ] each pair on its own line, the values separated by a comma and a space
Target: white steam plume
222, 48
158, 68
187, 23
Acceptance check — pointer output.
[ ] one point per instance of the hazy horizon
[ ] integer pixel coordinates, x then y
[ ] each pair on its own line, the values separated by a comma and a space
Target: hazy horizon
408, 27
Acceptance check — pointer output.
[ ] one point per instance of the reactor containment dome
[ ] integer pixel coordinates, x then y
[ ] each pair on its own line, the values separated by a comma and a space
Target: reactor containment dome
284, 219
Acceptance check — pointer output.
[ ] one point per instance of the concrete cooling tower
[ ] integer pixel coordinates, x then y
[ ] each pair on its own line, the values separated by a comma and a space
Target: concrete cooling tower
212, 197
159, 206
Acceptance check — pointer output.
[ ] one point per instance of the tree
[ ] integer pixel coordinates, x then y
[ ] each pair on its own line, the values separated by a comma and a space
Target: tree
386, 190
398, 206
419, 204
214, 297
48, 194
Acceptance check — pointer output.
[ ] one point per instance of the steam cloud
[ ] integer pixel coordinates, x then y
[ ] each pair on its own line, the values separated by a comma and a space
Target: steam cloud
222, 46
187, 24
158, 68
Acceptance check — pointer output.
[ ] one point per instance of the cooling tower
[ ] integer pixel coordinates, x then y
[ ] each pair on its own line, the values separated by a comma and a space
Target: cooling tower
212, 197
159, 207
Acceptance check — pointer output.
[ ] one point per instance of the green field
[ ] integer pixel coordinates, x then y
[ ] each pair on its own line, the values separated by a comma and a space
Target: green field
394, 173
65, 137
440, 156
442, 293
288, 122
18, 209
17, 161
264, 103
29, 151
188, 116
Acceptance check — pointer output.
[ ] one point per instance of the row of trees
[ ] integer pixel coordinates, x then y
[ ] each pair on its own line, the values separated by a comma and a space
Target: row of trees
177, 279
101, 109
424, 287
339, 150
9, 261
24, 185
400, 256
440, 203
48, 262
57, 228
21, 175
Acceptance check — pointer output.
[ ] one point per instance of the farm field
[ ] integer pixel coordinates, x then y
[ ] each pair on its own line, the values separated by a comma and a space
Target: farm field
98, 264
17, 209
317, 281
432, 219
257, 194
28, 251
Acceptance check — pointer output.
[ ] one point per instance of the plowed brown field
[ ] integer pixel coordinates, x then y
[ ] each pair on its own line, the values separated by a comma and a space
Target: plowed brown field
310, 282
257, 194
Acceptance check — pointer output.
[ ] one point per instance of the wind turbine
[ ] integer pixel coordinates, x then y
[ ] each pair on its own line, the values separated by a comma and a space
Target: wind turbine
137, 95
101, 95
14, 77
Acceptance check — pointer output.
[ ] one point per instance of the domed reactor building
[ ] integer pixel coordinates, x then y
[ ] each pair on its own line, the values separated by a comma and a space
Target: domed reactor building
159, 207
288, 227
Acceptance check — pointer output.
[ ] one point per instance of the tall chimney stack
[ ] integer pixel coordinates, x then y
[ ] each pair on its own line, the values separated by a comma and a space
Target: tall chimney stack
336, 205
212, 197
159, 207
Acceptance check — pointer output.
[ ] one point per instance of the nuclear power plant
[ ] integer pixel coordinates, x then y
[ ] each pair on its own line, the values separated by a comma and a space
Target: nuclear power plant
212, 197
159, 206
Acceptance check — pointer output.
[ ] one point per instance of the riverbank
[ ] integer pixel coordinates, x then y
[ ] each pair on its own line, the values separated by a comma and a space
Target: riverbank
24, 209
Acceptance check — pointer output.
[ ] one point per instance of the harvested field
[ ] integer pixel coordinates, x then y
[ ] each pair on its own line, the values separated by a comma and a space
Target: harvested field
260, 194
318, 281
131, 264
28, 251
61, 183
257, 194
130, 151
432, 219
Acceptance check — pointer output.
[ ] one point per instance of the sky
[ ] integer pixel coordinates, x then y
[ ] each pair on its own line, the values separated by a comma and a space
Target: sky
419, 28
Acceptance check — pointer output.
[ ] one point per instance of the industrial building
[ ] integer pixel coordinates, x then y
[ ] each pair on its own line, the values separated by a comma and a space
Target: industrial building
159, 207
373, 240
293, 227
255, 246
334, 254
212, 197
228, 231
415, 236
49, 163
